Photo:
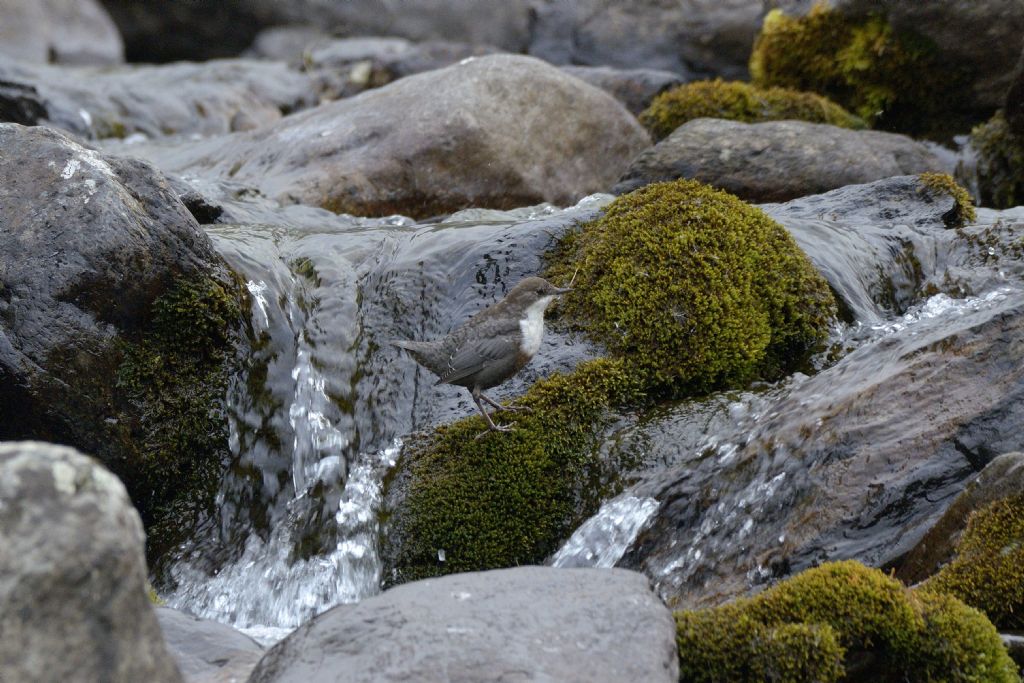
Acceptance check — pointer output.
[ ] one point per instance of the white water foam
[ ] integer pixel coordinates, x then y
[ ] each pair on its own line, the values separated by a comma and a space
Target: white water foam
603, 539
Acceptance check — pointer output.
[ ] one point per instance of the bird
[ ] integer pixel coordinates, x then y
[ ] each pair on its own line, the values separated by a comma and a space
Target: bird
491, 346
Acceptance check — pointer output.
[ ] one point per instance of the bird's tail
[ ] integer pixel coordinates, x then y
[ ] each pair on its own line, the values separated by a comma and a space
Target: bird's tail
420, 350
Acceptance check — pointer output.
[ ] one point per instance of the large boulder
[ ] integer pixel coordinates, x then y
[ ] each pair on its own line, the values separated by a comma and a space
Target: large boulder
208, 651
209, 98
777, 160
528, 623
73, 603
59, 31
702, 37
118, 321
522, 133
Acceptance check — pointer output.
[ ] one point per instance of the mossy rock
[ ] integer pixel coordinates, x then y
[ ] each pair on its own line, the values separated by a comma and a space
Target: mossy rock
1000, 163
855, 623
170, 391
963, 211
738, 101
507, 498
895, 80
988, 570
694, 289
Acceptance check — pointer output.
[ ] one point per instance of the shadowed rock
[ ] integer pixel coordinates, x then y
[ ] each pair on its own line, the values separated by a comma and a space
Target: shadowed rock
59, 31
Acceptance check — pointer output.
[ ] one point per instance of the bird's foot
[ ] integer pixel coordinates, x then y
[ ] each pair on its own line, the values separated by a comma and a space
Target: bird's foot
494, 428
515, 409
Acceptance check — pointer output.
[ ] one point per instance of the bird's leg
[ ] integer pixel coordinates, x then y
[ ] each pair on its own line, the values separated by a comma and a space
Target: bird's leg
510, 409
490, 423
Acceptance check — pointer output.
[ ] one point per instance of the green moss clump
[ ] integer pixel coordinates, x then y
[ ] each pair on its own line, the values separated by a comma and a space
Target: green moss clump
170, 389
894, 80
853, 622
508, 499
988, 570
738, 101
963, 211
1000, 163
694, 288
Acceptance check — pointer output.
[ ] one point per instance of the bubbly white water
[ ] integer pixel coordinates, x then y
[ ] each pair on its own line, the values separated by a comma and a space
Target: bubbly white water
604, 538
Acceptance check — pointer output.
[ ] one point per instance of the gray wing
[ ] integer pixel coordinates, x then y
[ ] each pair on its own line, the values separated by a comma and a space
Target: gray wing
486, 344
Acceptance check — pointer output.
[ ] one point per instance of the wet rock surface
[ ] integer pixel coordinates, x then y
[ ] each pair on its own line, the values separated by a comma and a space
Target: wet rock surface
529, 623
207, 651
73, 602
524, 133
777, 160
59, 31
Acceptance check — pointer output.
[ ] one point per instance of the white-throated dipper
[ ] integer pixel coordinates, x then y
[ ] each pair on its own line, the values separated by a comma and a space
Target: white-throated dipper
491, 346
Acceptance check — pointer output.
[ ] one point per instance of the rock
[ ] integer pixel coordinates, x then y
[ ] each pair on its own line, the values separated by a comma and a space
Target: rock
635, 88
1014, 104
1015, 646
208, 651
1002, 477
980, 38
285, 43
209, 98
107, 283
59, 31
777, 160
705, 38
73, 603
528, 623
524, 133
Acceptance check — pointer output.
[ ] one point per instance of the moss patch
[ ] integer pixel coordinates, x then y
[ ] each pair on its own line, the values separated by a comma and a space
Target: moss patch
740, 102
855, 623
170, 389
694, 288
1000, 163
988, 571
894, 80
509, 498
963, 211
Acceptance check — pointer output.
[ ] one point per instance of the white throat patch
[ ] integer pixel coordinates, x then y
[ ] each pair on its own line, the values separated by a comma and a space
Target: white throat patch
532, 326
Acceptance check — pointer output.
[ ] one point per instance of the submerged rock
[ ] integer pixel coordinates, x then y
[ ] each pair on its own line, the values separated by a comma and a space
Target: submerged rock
777, 160
118, 321
59, 31
210, 98
524, 132
73, 603
529, 623
208, 651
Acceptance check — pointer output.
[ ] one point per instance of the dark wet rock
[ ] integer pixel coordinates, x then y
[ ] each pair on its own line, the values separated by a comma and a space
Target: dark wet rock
1002, 477
107, 283
699, 37
1014, 104
1015, 646
979, 39
635, 88
209, 98
524, 133
777, 160
73, 603
59, 31
208, 651
528, 623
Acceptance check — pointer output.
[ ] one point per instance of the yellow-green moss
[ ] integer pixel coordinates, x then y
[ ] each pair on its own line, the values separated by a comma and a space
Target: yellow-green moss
508, 498
988, 571
855, 623
740, 102
1000, 162
894, 80
694, 289
963, 211
170, 388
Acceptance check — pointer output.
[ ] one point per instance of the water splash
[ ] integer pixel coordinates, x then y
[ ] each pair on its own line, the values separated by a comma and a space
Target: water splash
603, 539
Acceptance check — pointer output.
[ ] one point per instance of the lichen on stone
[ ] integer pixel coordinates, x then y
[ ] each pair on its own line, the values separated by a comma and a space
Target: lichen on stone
738, 101
988, 570
963, 211
855, 623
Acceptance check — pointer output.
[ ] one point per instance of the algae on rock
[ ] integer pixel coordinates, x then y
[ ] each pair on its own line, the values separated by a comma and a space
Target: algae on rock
737, 101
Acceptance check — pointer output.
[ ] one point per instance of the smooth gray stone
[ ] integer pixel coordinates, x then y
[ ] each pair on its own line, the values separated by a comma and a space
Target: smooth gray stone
208, 651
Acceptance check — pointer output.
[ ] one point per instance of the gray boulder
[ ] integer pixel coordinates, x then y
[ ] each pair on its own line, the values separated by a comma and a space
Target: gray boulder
208, 98
73, 603
528, 623
500, 131
703, 37
59, 31
635, 88
777, 160
208, 651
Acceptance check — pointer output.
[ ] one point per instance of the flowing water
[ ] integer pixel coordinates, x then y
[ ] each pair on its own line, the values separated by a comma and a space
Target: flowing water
320, 414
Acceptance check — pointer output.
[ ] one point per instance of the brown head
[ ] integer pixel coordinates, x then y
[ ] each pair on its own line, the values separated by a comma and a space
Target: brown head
530, 291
